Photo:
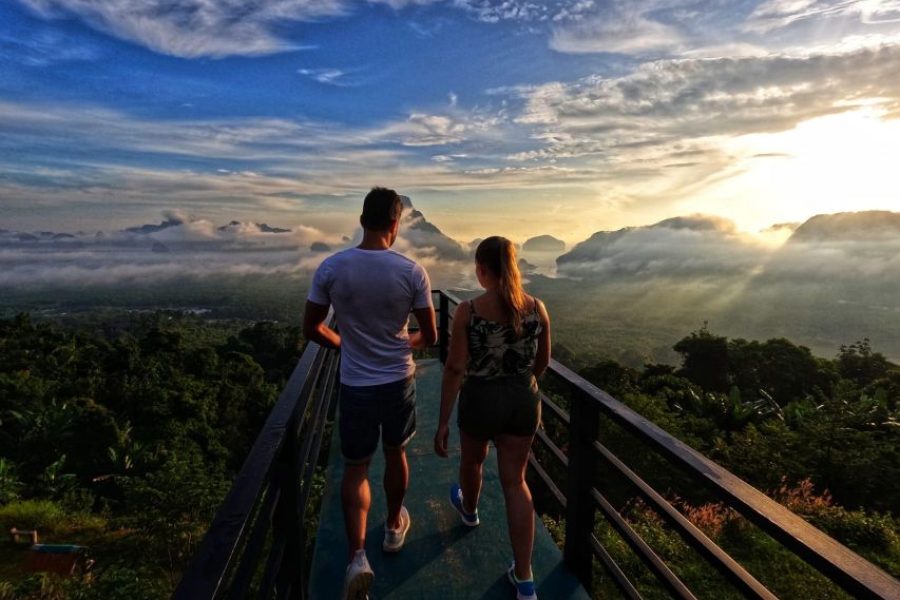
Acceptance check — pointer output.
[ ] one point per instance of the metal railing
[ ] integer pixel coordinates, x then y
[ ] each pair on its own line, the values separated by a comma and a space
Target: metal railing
257, 543
581, 497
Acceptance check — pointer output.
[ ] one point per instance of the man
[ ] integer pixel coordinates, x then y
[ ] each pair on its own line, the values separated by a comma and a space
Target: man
373, 289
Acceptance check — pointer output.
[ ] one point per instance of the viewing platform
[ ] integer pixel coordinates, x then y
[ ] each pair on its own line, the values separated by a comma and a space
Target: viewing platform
263, 542
442, 557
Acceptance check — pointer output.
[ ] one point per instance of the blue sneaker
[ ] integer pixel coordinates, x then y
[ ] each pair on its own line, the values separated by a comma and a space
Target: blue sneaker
456, 499
524, 588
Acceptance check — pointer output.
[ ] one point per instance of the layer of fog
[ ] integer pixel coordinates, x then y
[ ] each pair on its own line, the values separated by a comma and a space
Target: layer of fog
629, 293
836, 280
181, 246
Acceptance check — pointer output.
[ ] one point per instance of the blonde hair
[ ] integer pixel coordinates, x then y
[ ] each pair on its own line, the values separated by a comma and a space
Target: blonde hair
498, 255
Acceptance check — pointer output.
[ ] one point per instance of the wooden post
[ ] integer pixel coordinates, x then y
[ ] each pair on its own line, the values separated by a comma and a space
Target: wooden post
444, 327
580, 510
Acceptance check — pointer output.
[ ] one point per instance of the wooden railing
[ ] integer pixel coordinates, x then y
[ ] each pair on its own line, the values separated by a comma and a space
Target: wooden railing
581, 496
257, 543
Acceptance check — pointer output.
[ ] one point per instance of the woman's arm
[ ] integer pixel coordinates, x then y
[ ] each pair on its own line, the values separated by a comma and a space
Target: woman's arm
454, 369
542, 358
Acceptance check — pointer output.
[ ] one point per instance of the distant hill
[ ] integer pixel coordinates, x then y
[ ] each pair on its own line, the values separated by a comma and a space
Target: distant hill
262, 227
593, 248
680, 247
848, 226
544, 243
171, 221
424, 236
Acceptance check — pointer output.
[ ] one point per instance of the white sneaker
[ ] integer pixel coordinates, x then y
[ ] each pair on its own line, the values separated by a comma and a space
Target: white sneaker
394, 538
525, 590
359, 577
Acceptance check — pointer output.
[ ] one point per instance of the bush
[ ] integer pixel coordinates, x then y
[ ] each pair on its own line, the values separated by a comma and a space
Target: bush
48, 517
44, 515
858, 529
120, 583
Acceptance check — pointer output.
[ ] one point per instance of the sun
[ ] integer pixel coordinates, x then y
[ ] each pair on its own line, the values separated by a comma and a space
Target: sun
835, 163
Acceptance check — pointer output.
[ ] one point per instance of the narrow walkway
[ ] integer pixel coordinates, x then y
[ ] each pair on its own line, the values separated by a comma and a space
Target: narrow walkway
442, 558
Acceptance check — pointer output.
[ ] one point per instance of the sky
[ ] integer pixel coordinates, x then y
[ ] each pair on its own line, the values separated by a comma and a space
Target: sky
516, 117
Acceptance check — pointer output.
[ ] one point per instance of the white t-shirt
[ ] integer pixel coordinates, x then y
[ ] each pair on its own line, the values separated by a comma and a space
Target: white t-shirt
373, 292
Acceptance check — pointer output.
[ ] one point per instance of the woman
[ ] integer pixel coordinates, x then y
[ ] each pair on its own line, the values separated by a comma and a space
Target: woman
499, 344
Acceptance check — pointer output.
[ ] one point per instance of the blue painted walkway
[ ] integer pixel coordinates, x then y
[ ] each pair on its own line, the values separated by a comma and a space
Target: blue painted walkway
442, 558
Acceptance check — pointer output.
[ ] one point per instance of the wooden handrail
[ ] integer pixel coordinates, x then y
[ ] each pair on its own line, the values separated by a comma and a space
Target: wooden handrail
847, 569
259, 477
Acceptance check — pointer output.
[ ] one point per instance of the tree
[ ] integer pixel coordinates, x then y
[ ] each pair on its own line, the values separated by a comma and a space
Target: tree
860, 364
705, 360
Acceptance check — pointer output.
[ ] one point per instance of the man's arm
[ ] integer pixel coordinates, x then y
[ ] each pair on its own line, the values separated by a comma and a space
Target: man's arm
427, 334
315, 329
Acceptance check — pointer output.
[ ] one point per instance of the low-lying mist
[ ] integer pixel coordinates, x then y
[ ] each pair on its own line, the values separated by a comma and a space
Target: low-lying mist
627, 294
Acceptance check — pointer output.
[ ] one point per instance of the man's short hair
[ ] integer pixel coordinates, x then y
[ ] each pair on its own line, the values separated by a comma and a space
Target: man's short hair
381, 207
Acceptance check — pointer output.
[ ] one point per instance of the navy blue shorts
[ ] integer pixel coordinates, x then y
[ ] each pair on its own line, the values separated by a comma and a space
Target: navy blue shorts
386, 411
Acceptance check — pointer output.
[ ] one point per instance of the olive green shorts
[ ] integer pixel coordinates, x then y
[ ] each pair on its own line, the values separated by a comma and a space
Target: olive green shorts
499, 405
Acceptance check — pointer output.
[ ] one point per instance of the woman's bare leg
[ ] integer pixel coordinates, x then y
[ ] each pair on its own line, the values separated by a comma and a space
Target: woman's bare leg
474, 452
512, 459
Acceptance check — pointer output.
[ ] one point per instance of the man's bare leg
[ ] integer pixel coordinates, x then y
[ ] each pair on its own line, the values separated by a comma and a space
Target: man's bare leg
396, 481
356, 498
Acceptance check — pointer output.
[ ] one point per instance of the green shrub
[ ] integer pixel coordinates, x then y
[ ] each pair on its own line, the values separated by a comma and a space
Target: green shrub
856, 528
44, 515
121, 583
48, 517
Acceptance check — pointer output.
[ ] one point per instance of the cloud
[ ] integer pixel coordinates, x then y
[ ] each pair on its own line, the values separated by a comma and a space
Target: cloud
832, 267
861, 263
696, 246
718, 29
779, 14
256, 160
202, 28
673, 101
495, 11
193, 28
433, 130
781, 227
199, 28
655, 134
181, 247
336, 77
453, 126
124, 267
624, 32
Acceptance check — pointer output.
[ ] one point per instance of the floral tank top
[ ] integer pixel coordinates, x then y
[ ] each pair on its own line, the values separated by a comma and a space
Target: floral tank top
494, 348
